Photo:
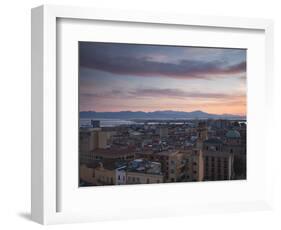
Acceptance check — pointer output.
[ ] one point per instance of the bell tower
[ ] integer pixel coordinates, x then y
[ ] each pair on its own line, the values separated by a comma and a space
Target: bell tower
202, 134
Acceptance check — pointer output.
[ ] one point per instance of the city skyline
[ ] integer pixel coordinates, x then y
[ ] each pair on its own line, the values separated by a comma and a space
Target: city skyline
131, 77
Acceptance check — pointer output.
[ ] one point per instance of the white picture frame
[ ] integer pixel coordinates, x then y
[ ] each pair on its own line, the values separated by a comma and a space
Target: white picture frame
46, 182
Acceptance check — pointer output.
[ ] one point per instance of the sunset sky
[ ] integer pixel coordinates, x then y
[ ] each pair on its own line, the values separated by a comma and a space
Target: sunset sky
122, 77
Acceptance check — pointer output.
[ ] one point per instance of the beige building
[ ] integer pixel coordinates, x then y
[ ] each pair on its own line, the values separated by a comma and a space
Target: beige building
87, 174
194, 165
94, 138
144, 178
114, 154
104, 138
236, 145
172, 163
90, 140
141, 171
105, 174
218, 163
202, 134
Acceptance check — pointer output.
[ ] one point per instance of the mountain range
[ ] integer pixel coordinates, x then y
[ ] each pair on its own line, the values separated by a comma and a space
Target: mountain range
166, 114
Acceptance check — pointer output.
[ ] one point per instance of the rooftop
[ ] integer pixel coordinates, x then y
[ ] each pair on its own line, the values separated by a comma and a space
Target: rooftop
107, 164
162, 153
144, 166
233, 134
213, 141
115, 151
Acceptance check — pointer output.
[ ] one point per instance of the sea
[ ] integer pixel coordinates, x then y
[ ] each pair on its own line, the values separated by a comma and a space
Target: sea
86, 122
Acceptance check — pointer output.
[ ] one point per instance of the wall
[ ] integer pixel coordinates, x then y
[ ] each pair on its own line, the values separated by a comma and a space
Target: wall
15, 112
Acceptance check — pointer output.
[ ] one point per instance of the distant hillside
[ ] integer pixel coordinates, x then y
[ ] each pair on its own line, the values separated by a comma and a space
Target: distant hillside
129, 115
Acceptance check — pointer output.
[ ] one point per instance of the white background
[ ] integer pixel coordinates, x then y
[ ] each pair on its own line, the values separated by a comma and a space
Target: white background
15, 114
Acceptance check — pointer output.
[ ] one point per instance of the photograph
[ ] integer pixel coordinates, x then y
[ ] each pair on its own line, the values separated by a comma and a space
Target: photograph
142, 113
151, 113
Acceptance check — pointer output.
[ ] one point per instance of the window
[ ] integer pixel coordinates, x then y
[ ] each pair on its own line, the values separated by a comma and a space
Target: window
225, 165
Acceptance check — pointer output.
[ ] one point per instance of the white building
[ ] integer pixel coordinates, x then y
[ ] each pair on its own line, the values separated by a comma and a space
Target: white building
121, 175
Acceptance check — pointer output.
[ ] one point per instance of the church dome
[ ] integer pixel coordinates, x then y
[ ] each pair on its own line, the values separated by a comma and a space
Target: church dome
233, 134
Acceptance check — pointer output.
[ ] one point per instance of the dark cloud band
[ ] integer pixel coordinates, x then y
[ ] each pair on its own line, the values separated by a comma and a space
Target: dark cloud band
185, 69
159, 93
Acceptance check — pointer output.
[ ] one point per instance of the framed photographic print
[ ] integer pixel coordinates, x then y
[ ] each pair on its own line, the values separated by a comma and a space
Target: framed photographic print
131, 109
